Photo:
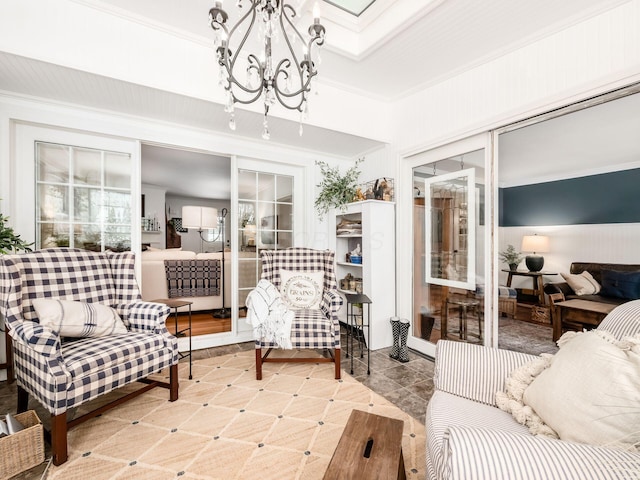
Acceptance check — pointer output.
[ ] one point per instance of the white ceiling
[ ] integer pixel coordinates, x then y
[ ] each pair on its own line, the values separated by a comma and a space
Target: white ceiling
400, 46
187, 174
598, 139
413, 43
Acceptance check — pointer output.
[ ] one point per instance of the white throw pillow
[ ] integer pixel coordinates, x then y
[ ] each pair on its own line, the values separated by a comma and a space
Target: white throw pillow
591, 391
582, 283
302, 289
78, 319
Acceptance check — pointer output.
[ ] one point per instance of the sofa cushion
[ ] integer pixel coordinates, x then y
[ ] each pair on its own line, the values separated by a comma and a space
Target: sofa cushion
512, 399
582, 283
491, 454
620, 284
78, 319
446, 411
590, 391
597, 298
89, 355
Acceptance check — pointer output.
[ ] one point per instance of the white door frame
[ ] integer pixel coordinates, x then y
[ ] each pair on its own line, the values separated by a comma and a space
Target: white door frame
23, 181
408, 162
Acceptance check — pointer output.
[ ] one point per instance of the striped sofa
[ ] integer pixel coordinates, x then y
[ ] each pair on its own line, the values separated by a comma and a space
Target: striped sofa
469, 438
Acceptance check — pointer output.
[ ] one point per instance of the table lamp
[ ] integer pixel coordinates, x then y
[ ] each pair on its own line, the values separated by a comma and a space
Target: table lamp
535, 244
200, 218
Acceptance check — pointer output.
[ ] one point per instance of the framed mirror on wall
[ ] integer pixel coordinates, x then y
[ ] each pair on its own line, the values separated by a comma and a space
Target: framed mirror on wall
450, 211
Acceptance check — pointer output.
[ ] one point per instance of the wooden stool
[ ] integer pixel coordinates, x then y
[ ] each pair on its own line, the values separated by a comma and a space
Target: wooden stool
370, 447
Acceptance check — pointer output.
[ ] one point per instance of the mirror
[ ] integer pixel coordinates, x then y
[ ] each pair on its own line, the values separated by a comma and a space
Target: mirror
450, 236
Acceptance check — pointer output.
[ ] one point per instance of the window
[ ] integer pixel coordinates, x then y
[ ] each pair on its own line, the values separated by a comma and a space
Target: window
83, 198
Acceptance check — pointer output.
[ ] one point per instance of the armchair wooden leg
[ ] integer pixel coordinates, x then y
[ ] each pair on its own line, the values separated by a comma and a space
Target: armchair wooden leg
23, 399
258, 364
173, 383
336, 359
59, 438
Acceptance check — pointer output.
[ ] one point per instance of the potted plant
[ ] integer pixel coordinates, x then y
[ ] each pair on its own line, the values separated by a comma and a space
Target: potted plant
9, 241
336, 190
511, 257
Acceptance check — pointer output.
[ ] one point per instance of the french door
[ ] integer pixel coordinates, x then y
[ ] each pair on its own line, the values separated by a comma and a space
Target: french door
268, 215
448, 203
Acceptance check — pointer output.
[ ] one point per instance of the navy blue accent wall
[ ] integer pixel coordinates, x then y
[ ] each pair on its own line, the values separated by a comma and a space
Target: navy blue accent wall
596, 199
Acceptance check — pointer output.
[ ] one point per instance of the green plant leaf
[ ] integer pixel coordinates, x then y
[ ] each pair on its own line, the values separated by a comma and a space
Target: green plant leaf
336, 190
9, 241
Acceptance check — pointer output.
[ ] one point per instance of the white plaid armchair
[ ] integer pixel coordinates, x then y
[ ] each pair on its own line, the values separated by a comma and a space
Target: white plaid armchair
61, 374
311, 329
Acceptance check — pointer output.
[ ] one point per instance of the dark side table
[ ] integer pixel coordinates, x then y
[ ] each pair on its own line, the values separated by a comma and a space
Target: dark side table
356, 325
175, 305
536, 277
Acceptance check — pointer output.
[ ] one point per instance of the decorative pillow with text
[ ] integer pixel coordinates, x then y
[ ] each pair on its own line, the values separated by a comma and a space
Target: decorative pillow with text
302, 289
78, 319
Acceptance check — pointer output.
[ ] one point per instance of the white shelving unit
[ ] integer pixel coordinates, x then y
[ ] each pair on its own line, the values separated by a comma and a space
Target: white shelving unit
378, 268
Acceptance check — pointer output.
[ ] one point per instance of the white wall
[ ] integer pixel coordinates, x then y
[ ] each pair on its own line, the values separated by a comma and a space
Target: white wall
590, 57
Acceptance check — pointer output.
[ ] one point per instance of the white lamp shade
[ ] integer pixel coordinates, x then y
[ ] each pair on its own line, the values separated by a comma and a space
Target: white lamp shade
535, 243
202, 218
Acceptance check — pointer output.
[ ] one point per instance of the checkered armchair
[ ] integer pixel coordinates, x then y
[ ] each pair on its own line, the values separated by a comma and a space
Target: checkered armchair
311, 328
64, 374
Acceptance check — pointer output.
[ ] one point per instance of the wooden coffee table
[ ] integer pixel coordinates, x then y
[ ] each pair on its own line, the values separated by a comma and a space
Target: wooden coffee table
579, 314
370, 447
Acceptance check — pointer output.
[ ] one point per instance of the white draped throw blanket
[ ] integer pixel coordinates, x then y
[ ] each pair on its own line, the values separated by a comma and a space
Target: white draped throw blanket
269, 315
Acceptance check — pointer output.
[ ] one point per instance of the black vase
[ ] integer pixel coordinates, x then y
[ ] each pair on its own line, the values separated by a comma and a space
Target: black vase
534, 262
513, 267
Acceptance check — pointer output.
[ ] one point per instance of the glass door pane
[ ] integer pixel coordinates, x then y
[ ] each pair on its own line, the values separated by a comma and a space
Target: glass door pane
265, 221
83, 197
448, 248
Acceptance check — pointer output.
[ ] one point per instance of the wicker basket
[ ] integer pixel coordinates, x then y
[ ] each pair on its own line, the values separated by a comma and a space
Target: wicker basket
23, 450
540, 314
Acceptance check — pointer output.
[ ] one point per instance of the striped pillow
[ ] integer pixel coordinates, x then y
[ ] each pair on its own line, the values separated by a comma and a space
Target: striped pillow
78, 319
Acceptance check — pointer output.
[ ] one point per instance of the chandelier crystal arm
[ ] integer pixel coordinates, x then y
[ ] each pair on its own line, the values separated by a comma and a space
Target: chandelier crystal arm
285, 80
229, 63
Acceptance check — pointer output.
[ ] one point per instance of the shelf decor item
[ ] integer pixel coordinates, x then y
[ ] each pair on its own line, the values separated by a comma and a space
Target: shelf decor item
378, 189
336, 190
511, 257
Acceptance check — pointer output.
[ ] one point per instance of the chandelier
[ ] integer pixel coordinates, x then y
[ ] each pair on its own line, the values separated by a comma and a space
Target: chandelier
277, 73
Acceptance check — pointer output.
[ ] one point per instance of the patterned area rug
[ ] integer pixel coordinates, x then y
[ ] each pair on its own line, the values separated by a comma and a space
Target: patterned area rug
227, 425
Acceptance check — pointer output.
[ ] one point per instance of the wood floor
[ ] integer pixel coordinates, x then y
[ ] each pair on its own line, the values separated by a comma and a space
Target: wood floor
202, 323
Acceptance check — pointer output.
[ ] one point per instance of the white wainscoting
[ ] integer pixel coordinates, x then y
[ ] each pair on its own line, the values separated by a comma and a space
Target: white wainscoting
605, 243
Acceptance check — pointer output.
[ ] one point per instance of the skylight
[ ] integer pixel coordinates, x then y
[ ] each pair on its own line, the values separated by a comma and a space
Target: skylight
354, 7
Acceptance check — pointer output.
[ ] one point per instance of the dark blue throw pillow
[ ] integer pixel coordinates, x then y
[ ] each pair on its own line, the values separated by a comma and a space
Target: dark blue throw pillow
620, 284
